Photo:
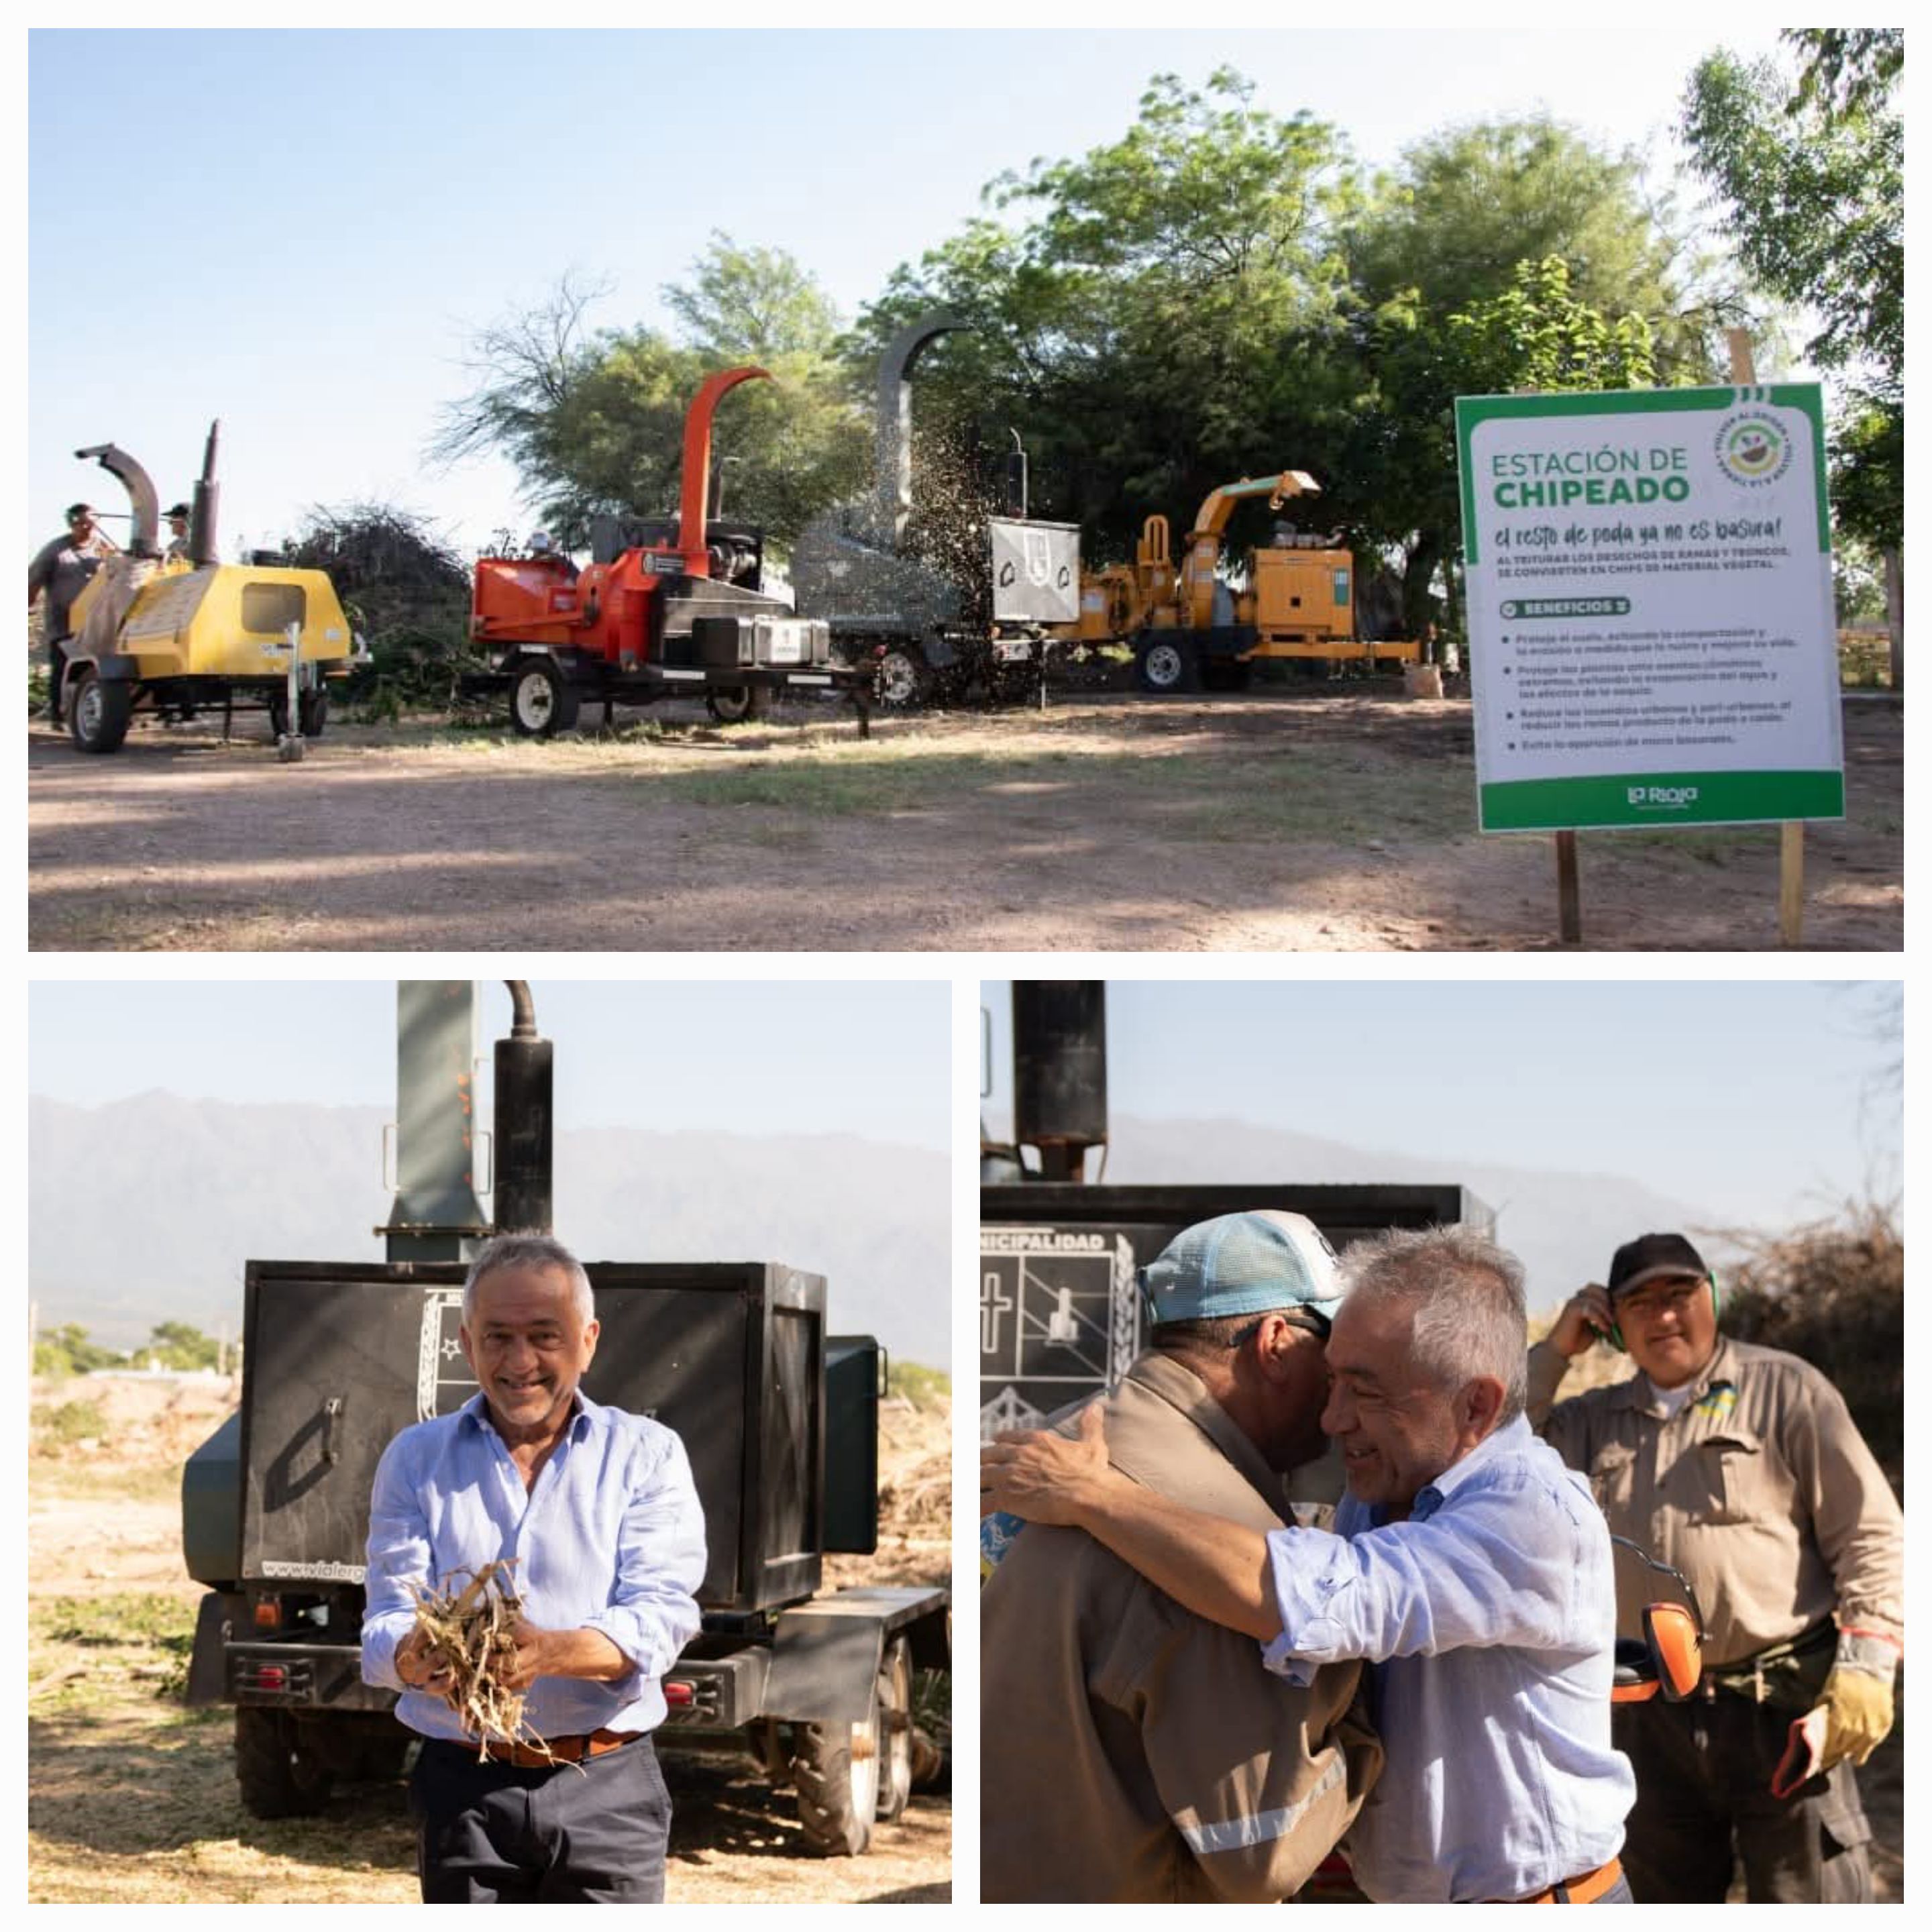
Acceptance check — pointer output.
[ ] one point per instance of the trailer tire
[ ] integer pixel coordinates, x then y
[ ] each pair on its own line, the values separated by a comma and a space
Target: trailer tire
734, 703
895, 1750
834, 1772
1163, 666
901, 679
278, 1778
543, 700
99, 711
311, 713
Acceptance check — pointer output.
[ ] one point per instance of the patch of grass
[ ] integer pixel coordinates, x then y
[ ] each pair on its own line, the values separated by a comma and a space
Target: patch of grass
128, 1635
915, 1383
71, 1422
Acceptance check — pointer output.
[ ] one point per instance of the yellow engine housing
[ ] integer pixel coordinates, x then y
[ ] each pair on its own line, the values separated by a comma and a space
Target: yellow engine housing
221, 620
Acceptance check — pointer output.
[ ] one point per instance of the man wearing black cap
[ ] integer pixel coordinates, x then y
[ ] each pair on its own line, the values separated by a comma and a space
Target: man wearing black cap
62, 568
1132, 1752
1742, 1467
177, 549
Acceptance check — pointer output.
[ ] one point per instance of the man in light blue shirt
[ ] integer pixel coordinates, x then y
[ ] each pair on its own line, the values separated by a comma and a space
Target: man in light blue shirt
1468, 1564
598, 1511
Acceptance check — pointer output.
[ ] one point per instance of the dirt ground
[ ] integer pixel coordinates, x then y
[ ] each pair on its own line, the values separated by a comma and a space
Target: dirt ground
1336, 819
131, 1796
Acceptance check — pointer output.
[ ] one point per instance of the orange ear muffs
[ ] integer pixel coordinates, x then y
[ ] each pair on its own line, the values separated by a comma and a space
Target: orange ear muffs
1676, 1645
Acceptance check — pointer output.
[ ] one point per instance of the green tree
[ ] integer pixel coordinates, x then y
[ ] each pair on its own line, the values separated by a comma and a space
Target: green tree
594, 421
1447, 234
66, 1350
1809, 174
1139, 323
174, 1344
1536, 337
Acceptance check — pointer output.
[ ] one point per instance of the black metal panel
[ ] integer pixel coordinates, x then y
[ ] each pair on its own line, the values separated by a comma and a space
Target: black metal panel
1060, 1063
1060, 1315
342, 1356
852, 1374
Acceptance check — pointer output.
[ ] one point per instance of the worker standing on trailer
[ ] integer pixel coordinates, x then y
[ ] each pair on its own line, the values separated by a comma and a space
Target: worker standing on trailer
1468, 1567
61, 570
597, 1509
1131, 1750
1742, 1467
177, 549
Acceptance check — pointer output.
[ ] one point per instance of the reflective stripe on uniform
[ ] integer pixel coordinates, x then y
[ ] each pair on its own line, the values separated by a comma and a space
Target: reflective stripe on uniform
1265, 1826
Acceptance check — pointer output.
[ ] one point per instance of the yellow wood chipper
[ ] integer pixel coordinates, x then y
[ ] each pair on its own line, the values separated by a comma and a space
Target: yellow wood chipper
181, 636
1211, 620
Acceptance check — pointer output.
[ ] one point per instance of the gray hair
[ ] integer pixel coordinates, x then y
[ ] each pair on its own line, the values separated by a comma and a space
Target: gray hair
529, 1251
1467, 1295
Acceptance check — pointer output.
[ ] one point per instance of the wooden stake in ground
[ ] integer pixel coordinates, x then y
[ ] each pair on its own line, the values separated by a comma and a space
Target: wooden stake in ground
1791, 843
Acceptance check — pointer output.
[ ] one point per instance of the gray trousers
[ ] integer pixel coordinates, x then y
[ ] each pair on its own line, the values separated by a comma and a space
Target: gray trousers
494, 1833
1703, 1793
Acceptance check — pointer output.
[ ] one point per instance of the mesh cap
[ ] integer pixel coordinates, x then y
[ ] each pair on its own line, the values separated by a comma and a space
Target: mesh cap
1242, 1265
1650, 1256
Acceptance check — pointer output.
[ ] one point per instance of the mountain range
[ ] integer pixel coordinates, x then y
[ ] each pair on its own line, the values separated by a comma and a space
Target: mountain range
146, 1209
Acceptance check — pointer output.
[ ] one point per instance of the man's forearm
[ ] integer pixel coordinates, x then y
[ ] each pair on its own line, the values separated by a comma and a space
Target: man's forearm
1217, 1569
587, 1654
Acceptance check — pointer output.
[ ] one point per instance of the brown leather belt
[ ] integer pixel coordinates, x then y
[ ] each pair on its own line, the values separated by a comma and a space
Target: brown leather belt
1584, 1891
562, 1751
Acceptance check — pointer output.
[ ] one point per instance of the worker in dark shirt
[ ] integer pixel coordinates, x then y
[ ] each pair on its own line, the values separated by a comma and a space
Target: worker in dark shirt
60, 570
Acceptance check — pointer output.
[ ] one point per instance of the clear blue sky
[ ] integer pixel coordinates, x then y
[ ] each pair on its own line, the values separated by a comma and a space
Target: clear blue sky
796, 1057
1763, 1101
300, 231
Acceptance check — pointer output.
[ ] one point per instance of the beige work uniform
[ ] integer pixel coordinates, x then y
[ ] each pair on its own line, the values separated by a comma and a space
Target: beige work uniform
1132, 1751
1760, 1489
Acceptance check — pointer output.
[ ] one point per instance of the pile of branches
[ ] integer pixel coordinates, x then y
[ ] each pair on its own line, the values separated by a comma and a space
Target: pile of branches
472, 1632
1834, 1292
405, 591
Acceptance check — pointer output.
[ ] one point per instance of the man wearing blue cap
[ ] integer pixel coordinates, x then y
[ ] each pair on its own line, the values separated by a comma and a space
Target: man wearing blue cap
1468, 1567
1131, 1750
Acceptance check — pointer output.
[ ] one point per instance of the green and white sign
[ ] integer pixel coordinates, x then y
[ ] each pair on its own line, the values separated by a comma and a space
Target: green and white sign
1652, 637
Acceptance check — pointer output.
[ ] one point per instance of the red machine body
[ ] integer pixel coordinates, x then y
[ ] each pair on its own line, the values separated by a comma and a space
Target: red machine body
613, 611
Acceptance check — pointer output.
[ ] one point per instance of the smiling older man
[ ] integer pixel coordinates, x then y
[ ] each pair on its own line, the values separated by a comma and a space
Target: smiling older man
1468, 1566
598, 1509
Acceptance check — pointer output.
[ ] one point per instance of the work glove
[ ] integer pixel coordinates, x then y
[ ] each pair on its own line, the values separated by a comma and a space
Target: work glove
1858, 1698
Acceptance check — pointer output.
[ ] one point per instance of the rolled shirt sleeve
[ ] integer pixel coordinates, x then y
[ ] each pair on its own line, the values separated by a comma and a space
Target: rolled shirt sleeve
1494, 1570
398, 1555
1855, 1517
660, 1556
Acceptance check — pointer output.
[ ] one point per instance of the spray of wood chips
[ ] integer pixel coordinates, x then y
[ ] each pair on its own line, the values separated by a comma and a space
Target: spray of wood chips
472, 1631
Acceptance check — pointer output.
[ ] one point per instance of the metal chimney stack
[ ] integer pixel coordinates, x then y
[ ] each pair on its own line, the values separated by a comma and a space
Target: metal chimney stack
1060, 1072
436, 1216
522, 1143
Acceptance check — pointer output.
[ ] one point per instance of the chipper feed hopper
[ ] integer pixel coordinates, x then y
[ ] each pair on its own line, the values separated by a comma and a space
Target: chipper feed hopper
976, 609
179, 638
779, 1416
675, 607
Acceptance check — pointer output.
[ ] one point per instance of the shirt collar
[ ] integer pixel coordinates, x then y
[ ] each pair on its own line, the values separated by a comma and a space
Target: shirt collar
1512, 1438
1640, 1393
586, 1415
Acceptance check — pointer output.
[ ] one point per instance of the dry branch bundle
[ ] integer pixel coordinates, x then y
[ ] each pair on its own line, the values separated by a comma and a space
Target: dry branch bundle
472, 1632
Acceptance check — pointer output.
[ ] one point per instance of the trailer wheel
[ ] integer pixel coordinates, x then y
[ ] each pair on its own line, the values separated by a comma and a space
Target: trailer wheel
899, 679
732, 704
99, 711
835, 1771
895, 1752
543, 701
311, 713
1163, 666
278, 1778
